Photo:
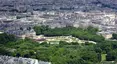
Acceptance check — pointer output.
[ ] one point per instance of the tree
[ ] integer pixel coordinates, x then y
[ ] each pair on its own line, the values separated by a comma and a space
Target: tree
98, 50
89, 56
84, 34
5, 38
18, 55
111, 56
40, 29
4, 51
63, 43
26, 55
114, 36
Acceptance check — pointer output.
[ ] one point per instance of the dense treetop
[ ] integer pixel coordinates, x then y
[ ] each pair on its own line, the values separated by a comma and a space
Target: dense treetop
63, 53
84, 34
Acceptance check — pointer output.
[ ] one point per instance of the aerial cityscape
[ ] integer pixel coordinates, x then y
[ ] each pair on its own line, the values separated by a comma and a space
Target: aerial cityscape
58, 31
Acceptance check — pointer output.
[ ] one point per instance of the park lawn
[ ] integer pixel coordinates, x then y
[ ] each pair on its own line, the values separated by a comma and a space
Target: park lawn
103, 57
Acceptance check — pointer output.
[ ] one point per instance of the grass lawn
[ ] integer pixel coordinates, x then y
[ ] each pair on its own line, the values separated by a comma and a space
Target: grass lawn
103, 57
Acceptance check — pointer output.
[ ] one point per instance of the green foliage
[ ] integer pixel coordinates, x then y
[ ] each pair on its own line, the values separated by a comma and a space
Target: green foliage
64, 53
74, 43
63, 43
84, 34
56, 54
5, 38
111, 56
40, 29
92, 29
98, 50
89, 56
4, 51
103, 57
114, 36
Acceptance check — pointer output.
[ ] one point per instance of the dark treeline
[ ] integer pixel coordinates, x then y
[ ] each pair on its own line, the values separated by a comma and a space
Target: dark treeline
114, 36
4, 38
84, 34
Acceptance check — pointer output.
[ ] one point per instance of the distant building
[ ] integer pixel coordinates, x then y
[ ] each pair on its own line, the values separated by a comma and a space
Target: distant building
20, 60
28, 35
53, 42
1, 32
106, 35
